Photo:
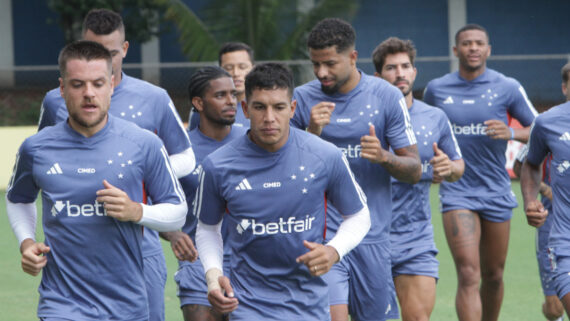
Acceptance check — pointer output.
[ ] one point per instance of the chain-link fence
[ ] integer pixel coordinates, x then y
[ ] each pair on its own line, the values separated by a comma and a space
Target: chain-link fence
22, 88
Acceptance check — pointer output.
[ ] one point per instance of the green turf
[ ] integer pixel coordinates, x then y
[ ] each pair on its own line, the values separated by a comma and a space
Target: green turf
523, 296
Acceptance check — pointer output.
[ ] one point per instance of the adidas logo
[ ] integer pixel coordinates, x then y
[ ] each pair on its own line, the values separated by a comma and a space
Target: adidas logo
449, 100
565, 136
243, 186
54, 170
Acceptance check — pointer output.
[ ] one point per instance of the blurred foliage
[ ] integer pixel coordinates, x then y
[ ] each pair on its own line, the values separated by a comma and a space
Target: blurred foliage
274, 29
142, 18
20, 106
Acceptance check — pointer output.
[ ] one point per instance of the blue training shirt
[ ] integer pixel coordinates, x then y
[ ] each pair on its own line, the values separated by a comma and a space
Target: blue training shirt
271, 202
142, 103
551, 134
203, 146
411, 212
373, 101
94, 270
468, 104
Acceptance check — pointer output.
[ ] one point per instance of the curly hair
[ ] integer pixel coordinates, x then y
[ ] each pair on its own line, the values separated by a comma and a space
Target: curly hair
390, 46
332, 32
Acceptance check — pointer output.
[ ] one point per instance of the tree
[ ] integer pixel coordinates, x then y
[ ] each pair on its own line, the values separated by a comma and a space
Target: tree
141, 17
274, 29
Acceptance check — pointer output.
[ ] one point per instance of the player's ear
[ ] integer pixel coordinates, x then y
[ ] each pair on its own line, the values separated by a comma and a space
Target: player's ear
61, 86
198, 103
125, 48
245, 109
455, 50
293, 107
353, 56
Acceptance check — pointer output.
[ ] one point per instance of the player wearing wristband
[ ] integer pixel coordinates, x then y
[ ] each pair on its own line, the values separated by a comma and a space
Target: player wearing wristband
478, 207
213, 95
271, 188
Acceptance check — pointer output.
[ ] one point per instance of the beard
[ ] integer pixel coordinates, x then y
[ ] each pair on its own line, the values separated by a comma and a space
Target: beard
218, 120
470, 68
330, 90
410, 85
85, 123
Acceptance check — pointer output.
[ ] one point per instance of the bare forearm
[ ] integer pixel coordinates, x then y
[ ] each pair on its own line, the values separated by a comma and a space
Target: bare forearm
167, 235
522, 134
530, 181
407, 169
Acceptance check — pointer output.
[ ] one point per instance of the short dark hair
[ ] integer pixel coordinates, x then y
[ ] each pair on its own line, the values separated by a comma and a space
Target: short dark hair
565, 71
390, 46
235, 46
471, 26
83, 50
200, 80
332, 32
269, 76
103, 22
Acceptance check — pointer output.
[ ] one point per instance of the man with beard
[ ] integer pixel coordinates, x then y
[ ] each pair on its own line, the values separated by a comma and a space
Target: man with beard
364, 116
94, 171
213, 94
477, 209
414, 266
237, 59
150, 108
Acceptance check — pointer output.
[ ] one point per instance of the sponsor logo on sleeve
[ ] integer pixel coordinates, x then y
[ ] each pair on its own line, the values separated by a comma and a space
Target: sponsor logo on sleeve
563, 166
565, 136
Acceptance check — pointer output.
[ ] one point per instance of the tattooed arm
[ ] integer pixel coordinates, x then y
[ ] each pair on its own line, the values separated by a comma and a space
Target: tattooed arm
404, 164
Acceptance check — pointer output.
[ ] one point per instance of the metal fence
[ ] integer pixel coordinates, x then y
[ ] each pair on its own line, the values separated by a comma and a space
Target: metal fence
22, 87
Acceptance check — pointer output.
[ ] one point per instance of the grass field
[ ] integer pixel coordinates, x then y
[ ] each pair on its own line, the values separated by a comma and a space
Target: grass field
523, 296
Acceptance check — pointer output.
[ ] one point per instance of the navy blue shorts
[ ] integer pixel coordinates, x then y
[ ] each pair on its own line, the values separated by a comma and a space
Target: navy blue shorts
155, 275
363, 280
415, 261
494, 209
543, 258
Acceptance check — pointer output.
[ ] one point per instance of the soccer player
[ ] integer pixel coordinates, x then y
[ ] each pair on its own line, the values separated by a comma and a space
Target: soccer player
237, 59
270, 187
213, 94
552, 307
414, 266
149, 107
477, 209
550, 135
363, 116
93, 171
